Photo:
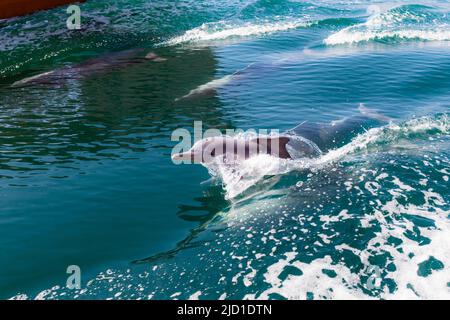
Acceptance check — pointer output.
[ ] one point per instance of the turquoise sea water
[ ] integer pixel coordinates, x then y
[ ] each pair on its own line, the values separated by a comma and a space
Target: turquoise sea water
86, 177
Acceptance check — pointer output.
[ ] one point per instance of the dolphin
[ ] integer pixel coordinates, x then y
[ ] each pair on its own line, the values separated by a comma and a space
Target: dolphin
210, 88
235, 149
207, 89
98, 65
206, 150
307, 140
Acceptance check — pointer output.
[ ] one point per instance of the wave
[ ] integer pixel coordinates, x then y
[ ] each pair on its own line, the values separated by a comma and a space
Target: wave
240, 176
224, 29
350, 37
411, 22
406, 22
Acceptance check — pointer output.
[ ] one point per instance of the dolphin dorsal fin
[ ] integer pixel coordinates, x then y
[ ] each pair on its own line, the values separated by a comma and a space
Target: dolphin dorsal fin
296, 127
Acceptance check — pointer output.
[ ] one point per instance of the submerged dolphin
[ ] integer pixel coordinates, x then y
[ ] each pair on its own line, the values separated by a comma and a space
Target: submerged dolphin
207, 89
210, 88
104, 63
307, 140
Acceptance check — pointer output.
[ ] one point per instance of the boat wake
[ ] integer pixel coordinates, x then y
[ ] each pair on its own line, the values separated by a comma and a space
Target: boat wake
222, 30
409, 22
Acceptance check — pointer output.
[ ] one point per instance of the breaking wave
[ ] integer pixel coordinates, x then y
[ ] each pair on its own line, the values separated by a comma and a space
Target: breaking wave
351, 36
410, 22
224, 30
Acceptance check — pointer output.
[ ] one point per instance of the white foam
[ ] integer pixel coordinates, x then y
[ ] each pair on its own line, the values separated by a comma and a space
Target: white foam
349, 35
222, 30
195, 295
393, 23
348, 284
312, 280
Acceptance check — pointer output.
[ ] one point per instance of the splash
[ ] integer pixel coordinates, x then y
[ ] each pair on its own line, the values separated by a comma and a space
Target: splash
237, 177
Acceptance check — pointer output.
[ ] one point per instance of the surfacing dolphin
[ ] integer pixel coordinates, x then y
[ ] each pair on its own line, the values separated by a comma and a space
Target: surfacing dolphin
307, 140
238, 149
102, 64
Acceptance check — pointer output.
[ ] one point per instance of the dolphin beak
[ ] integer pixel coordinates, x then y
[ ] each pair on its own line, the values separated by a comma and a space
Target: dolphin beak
183, 156
177, 156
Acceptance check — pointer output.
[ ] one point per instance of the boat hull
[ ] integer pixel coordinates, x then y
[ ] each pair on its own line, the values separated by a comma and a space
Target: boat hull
14, 8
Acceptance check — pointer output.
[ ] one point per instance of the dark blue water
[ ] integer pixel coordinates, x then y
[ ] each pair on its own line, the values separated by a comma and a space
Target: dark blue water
86, 176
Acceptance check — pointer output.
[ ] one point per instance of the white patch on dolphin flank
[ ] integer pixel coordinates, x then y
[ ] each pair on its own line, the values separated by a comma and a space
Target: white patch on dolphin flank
32, 78
369, 113
208, 88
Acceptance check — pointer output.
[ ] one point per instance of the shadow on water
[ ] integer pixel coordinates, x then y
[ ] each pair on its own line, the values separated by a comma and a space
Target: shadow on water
209, 204
206, 214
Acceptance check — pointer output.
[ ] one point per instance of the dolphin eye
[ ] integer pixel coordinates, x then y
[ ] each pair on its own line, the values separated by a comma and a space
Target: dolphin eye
213, 152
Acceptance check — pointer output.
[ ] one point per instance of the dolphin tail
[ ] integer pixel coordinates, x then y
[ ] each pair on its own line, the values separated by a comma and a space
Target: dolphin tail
372, 114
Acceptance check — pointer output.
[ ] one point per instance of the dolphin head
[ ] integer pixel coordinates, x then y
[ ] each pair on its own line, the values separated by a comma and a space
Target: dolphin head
204, 151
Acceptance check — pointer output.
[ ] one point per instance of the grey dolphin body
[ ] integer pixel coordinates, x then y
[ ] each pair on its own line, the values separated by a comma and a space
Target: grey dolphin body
90, 67
234, 149
339, 133
307, 140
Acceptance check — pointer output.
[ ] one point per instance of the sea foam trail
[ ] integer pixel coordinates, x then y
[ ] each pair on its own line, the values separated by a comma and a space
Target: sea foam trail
237, 177
399, 23
223, 30
349, 35
347, 284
